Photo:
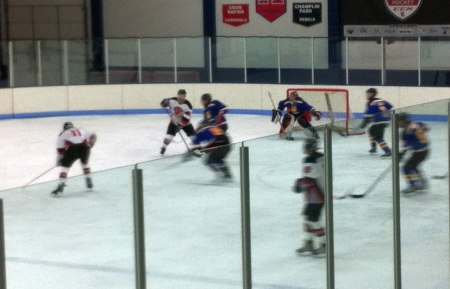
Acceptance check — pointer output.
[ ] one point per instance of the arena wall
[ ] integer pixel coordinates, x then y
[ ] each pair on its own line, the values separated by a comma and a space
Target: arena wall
145, 98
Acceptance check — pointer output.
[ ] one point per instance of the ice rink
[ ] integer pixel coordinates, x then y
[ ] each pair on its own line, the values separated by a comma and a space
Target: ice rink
85, 239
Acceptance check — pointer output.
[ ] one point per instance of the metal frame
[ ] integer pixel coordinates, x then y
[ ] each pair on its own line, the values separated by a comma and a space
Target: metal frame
245, 218
139, 51
106, 50
329, 228
139, 228
396, 202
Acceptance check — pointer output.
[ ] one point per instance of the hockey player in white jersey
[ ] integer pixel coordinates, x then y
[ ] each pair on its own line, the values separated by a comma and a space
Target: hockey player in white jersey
73, 144
180, 117
312, 184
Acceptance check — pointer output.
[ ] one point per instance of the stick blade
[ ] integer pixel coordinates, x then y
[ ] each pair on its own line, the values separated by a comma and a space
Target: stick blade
358, 193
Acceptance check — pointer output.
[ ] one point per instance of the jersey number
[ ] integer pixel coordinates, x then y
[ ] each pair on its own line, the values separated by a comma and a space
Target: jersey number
75, 132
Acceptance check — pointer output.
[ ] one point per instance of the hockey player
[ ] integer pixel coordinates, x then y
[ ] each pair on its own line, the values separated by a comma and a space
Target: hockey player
312, 184
377, 112
214, 112
297, 110
180, 117
414, 139
73, 144
215, 144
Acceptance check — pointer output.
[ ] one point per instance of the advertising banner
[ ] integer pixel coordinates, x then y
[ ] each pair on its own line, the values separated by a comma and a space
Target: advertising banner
271, 9
235, 15
307, 14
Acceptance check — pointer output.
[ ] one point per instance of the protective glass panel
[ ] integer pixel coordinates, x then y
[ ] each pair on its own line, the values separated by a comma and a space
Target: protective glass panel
77, 58
328, 59
402, 61
262, 60
158, 60
81, 239
424, 199
123, 61
296, 60
287, 227
25, 63
434, 61
364, 61
190, 59
230, 60
362, 188
193, 220
52, 62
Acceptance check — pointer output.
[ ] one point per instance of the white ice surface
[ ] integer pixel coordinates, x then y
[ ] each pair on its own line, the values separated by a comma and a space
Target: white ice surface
85, 239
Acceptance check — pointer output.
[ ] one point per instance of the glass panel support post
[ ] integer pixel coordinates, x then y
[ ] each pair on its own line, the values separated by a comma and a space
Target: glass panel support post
396, 201
245, 218
106, 61
329, 228
175, 69
210, 60
383, 62
65, 62
279, 60
448, 162
11, 63
419, 61
347, 76
245, 60
38, 63
139, 52
312, 60
139, 228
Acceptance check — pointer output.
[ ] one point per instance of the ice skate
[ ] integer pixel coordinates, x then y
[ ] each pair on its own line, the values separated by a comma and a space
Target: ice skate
163, 151
409, 190
307, 247
320, 251
423, 185
289, 138
59, 190
89, 183
373, 150
387, 153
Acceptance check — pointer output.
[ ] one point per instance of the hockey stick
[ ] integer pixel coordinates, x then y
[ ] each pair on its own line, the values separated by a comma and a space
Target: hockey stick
33, 180
271, 100
356, 194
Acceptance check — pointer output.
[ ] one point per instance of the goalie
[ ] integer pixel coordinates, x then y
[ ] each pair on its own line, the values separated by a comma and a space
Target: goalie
297, 110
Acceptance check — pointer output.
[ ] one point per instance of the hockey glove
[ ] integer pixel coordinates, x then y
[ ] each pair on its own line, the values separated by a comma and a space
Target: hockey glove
365, 122
401, 155
316, 114
165, 102
275, 116
297, 188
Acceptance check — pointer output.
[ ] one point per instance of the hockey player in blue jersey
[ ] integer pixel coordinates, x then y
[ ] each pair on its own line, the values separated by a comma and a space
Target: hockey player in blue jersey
214, 112
414, 139
214, 143
297, 110
377, 112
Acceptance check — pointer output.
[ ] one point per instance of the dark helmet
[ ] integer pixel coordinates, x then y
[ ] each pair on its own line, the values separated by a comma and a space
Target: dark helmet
206, 97
310, 144
182, 91
373, 91
67, 125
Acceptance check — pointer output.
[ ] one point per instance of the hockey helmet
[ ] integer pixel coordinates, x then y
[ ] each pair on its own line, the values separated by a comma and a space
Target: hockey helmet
182, 91
310, 144
206, 97
293, 94
67, 125
372, 91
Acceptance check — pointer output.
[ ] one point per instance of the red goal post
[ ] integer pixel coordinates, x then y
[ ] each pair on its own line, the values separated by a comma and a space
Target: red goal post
334, 105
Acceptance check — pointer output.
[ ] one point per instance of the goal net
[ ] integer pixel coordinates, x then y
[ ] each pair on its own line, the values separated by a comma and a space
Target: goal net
335, 108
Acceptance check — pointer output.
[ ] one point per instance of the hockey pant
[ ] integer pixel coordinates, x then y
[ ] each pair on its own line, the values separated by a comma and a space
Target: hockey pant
172, 130
376, 136
216, 160
413, 174
312, 224
288, 121
73, 153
